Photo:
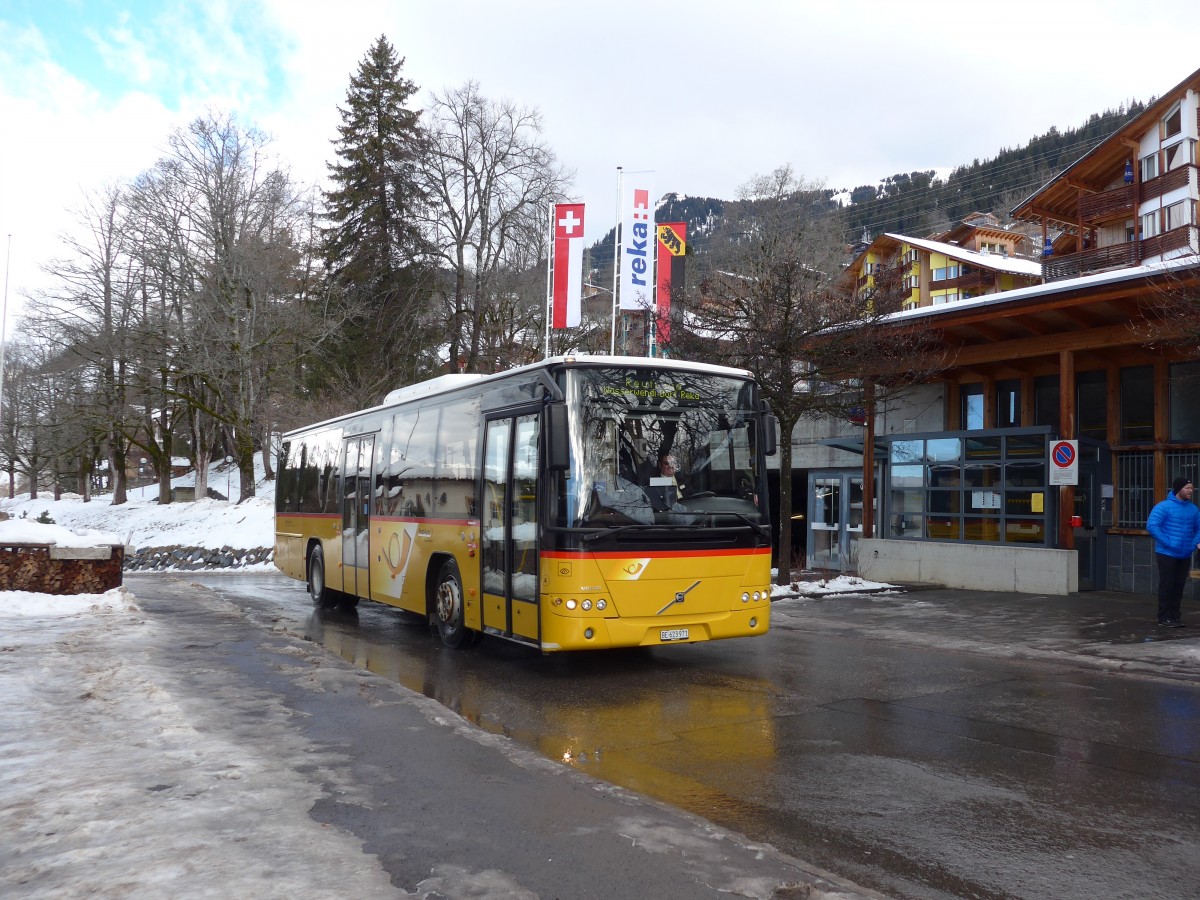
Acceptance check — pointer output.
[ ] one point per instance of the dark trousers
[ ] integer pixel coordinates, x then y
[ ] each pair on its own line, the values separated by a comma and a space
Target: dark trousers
1172, 576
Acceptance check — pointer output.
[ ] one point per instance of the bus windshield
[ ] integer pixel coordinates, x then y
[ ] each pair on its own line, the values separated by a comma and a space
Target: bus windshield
662, 447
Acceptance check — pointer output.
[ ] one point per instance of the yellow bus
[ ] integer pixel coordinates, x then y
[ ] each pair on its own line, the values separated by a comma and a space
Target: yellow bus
538, 505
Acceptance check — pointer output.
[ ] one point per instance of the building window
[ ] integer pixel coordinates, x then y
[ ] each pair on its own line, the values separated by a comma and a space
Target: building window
1137, 404
1008, 404
1150, 166
1177, 155
972, 407
1135, 487
1172, 123
944, 297
1046, 401
945, 273
1182, 385
985, 488
1179, 214
1091, 405
1150, 224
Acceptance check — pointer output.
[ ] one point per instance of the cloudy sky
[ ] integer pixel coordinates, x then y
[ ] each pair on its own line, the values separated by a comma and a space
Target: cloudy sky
708, 94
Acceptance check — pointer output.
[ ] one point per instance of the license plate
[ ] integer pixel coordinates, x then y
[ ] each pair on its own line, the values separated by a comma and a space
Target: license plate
673, 634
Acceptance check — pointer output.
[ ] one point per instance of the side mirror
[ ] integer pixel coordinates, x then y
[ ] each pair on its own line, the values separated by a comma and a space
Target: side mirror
770, 429
770, 435
557, 446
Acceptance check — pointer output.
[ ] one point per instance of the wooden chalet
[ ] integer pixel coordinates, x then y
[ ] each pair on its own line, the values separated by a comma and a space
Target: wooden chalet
1100, 351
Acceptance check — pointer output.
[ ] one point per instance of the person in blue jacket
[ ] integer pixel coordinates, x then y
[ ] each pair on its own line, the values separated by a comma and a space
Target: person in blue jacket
1175, 526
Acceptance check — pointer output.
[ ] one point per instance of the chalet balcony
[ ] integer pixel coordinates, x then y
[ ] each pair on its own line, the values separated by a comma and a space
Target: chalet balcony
1087, 262
1168, 181
973, 279
1119, 256
1119, 203
1175, 239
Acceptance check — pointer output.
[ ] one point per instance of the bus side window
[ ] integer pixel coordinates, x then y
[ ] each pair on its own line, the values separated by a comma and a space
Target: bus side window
285, 481
456, 450
306, 475
326, 457
418, 485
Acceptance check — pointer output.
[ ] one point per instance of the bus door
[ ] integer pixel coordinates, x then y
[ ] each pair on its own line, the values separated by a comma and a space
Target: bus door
509, 526
356, 515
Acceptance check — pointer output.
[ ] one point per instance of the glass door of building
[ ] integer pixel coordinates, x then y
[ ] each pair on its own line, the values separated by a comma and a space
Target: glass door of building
835, 519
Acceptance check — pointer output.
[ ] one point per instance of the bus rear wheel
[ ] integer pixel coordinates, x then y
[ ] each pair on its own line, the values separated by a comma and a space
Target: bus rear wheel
448, 608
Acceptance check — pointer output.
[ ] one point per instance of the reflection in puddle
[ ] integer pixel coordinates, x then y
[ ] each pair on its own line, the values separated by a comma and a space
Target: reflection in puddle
641, 720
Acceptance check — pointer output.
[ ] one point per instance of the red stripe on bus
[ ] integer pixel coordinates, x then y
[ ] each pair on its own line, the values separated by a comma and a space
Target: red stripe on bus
652, 554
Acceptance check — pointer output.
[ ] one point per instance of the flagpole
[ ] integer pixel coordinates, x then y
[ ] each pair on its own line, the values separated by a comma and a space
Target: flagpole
3, 332
652, 343
549, 261
612, 344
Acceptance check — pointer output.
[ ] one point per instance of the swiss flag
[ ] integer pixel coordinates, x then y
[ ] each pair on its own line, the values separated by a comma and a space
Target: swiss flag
568, 264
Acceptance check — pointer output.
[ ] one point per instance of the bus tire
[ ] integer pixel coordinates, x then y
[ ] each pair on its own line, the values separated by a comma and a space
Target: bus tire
448, 608
321, 593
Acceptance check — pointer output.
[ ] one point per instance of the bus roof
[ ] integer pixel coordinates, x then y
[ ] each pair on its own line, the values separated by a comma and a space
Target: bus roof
443, 384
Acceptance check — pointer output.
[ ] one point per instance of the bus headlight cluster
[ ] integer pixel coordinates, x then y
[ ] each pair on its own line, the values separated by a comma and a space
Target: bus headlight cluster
586, 604
747, 596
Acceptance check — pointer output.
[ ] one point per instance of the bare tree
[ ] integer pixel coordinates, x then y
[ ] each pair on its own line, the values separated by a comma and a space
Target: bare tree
88, 312
490, 180
245, 321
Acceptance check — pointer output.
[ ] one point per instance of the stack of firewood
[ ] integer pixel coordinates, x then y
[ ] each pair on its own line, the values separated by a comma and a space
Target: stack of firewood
30, 568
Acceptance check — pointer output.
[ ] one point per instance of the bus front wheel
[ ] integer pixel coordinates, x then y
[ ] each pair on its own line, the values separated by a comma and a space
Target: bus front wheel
320, 592
448, 611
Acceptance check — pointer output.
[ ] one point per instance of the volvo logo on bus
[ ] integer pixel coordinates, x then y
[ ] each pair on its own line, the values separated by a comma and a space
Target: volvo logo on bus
679, 598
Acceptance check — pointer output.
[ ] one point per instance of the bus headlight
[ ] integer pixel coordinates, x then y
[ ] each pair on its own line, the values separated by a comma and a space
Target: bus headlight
586, 604
745, 597
571, 604
601, 604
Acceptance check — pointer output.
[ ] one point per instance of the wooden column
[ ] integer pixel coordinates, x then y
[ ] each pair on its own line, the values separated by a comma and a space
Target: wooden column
1028, 408
1066, 431
953, 417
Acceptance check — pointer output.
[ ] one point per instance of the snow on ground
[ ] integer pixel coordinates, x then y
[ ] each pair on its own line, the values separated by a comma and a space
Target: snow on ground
122, 777
839, 584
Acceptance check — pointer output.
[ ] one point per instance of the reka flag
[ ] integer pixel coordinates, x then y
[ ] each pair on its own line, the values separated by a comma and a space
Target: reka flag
672, 247
568, 264
637, 242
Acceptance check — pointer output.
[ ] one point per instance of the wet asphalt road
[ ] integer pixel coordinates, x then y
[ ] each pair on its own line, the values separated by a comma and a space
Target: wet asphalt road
854, 736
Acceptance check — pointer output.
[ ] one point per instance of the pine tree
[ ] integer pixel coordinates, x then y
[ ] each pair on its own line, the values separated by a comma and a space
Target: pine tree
375, 251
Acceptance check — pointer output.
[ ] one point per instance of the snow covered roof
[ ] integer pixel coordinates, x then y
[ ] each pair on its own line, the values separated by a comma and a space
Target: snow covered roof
994, 261
1116, 276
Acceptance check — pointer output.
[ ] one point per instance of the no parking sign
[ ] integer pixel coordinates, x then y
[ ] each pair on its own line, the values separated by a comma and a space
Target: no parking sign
1064, 462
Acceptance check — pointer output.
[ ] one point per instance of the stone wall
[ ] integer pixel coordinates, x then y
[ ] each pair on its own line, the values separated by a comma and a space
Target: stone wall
188, 559
47, 569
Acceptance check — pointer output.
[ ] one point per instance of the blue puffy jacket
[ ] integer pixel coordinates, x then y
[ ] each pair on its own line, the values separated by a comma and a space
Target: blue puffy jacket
1175, 526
